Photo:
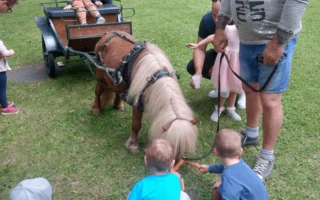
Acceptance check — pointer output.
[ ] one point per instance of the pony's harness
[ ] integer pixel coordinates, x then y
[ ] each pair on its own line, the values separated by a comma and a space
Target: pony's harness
152, 79
124, 68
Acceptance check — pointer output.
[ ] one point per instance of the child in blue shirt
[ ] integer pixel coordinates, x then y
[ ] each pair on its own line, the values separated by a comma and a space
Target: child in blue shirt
238, 180
160, 183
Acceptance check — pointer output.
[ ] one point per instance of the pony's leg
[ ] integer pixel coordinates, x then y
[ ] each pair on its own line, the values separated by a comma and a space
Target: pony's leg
132, 142
96, 106
118, 103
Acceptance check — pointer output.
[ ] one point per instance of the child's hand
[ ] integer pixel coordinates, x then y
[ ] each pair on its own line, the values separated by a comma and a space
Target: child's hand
68, 7
98, 3
204, 169
217, 184
192, 45
11, 52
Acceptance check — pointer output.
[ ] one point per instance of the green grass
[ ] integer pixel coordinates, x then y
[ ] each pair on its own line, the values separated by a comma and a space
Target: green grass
55, 135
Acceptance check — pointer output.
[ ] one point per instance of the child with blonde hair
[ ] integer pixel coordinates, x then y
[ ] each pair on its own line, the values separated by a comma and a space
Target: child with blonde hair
160, 183
230, 85
238, 180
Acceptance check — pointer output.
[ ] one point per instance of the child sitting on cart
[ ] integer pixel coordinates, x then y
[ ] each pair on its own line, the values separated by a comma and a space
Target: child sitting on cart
81, 6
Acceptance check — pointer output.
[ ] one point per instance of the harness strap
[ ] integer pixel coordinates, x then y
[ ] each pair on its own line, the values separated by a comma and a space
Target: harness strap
138, 48
100, 59
245, 82
152, 79
125, 64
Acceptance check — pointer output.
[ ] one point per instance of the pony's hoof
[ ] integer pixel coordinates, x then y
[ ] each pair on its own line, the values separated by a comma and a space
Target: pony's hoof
95, 113
119, 108
133, 148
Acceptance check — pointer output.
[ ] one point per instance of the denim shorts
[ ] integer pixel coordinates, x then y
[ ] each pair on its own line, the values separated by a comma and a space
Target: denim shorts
253, 70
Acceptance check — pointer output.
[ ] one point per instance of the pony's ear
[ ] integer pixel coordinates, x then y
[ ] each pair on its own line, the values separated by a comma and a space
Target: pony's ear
166, 127
194, 121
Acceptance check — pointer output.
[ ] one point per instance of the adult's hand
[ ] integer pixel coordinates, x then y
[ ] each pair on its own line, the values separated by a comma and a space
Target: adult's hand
272, 52
220, 41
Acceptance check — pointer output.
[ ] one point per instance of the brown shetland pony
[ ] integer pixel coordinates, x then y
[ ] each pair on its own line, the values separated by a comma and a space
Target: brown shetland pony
172, 118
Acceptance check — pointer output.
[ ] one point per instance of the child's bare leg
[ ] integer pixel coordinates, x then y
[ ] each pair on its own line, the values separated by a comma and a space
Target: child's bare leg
222, 101
232, 99
81, 11
93, 11
82, 15
231, 109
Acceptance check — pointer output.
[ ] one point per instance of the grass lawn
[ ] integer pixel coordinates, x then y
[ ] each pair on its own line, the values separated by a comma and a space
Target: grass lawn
57, 137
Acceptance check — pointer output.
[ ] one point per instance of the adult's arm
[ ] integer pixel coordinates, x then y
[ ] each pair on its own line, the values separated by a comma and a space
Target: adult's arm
220, 41
291, 16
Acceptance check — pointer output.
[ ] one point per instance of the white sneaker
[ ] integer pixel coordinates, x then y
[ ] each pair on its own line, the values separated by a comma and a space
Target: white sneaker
231, 112
215, 116
213, 94
241, 103
100, 20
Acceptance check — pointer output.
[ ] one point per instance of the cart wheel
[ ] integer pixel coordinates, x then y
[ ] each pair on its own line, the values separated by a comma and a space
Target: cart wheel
52, 68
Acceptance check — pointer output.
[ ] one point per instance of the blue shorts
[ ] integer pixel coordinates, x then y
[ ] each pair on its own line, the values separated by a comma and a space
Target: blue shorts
253, 70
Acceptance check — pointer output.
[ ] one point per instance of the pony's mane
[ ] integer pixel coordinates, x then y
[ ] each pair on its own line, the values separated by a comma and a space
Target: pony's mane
164, 101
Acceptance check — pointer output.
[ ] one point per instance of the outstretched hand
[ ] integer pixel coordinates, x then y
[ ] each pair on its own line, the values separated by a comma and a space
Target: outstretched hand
192, 46
220, 41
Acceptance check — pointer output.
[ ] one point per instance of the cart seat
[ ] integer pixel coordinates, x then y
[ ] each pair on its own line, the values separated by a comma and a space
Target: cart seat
106, 9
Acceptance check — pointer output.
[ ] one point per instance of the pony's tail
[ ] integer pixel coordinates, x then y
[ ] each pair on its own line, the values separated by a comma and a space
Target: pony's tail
106, 97
182, 134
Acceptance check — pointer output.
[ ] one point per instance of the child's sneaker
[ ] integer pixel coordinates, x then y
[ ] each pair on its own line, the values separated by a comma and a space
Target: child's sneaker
9, 110
215, 116
10, 103
231, 112
241, 103
100, 20
84, 23
213, 94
